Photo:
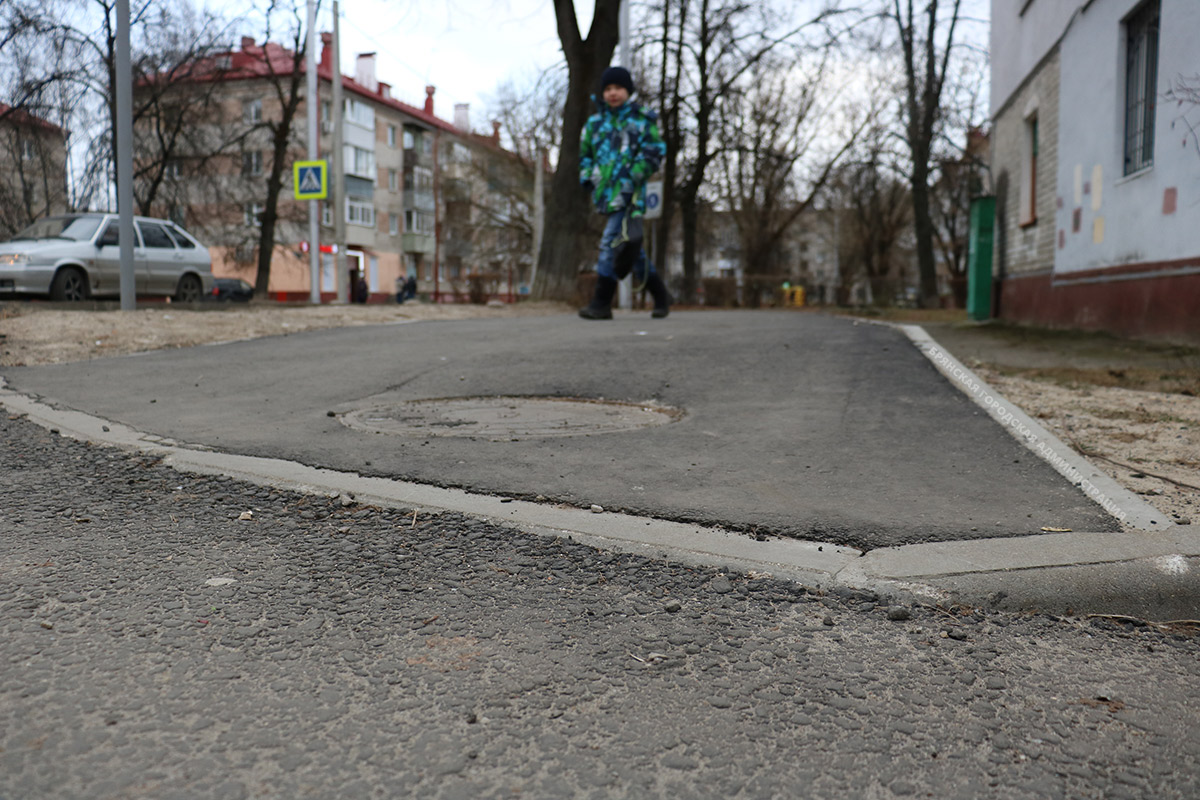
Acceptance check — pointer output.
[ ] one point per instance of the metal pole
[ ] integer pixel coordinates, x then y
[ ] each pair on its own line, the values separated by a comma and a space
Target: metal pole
124, 153
625, 290
539, 209
625, 35
311, 103
337, 183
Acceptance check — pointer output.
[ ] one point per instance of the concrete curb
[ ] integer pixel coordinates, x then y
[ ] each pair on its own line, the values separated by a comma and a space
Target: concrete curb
1097, 486
1151, 575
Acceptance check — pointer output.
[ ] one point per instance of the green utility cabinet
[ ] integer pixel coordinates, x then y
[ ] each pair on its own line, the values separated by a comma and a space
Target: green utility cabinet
979, 258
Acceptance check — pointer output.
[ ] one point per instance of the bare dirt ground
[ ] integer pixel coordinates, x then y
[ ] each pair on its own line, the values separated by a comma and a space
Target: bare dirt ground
37, 334
1133, 408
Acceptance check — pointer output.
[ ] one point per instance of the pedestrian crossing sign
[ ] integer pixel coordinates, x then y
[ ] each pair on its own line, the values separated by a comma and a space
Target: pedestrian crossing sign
310, 180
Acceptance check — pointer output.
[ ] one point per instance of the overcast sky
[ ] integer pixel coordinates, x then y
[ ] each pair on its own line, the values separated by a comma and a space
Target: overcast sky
465, 48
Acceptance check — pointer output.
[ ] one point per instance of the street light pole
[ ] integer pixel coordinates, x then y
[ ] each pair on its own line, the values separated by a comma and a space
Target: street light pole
311, 103
624, 20
124, 155
624, 289
337, 183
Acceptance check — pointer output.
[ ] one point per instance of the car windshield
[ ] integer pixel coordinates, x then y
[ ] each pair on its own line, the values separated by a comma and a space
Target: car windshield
75, 229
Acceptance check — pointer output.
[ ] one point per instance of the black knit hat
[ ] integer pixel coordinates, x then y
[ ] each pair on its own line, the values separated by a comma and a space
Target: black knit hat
618, 75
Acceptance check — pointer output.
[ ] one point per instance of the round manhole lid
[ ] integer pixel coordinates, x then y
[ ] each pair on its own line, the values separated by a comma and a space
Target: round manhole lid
507, 418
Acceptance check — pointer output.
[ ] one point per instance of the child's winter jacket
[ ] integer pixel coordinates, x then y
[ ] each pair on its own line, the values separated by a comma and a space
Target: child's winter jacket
618, 150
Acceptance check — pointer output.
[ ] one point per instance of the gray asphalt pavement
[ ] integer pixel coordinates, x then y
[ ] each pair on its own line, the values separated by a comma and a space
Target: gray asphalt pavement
798, 424
159, 641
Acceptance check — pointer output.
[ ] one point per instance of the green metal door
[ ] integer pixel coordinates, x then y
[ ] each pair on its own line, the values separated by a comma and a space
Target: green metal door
979, 258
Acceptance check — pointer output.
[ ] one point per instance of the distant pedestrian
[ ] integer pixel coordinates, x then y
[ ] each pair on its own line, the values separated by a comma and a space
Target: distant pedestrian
619, 149
360, 288
410, 288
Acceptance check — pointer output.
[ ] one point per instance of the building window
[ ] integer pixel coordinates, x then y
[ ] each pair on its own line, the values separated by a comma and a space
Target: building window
172, 170
326, 215
391, 134
418, 222
410, 140
360, 213
393, 224
176, 214
424, 179
27, 150
252, 112
359, 161
360, 114
393, 180
252, 163
1029, 158
1141, 82
254, 215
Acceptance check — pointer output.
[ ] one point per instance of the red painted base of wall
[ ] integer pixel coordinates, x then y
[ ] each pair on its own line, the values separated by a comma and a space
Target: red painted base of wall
1165, 307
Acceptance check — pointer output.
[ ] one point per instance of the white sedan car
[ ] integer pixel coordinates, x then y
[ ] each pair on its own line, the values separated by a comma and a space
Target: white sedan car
78, 256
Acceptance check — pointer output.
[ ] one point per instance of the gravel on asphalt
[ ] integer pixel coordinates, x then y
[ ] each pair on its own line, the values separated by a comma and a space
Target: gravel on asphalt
168, 635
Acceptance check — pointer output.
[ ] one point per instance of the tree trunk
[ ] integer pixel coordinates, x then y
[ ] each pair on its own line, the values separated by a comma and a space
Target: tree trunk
270, 214
923, 228
689, 213
564, 240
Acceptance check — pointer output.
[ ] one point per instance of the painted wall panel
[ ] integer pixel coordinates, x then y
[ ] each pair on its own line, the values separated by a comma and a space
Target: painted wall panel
1017, 41
1112, 218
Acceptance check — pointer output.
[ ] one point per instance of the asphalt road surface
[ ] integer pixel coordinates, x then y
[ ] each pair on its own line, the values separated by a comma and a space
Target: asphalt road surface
172, 636
797, 424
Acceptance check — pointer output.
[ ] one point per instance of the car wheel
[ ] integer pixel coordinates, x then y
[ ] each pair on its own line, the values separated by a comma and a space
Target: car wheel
70, 285
188, 290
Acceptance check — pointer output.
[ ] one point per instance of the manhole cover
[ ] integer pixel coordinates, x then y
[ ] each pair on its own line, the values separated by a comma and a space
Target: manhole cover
506, 418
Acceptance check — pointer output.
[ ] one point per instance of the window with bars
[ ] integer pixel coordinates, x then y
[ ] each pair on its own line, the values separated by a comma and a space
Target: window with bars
1141, 81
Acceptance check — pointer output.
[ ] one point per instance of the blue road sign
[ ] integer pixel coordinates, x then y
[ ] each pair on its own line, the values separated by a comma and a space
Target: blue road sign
310, 180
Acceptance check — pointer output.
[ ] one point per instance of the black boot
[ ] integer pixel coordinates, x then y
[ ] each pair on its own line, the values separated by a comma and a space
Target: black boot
601, 305
662, 298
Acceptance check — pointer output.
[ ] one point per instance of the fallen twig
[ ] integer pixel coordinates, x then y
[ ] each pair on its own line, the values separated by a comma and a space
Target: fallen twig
1082, 449
1172, 623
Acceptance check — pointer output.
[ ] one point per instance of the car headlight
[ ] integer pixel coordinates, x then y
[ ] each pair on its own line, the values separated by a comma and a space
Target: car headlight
13, 259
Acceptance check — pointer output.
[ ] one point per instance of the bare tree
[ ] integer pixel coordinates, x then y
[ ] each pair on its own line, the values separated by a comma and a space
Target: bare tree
563, 248
286, 80
716, 45
173, 103
875, 214
962, 169
1185, 93
927, 40
36, 102
779, 152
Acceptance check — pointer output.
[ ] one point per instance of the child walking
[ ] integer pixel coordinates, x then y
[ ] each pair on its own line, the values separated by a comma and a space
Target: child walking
619, 149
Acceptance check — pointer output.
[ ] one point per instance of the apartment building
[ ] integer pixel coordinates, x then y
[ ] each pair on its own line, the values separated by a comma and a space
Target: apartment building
1097, 164
402, 175
33, 169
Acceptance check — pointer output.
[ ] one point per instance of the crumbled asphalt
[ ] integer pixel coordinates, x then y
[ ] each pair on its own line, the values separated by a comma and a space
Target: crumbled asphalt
172, 636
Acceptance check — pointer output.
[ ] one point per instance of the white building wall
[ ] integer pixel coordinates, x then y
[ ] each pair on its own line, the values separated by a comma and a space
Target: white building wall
1022, 33
1104, 218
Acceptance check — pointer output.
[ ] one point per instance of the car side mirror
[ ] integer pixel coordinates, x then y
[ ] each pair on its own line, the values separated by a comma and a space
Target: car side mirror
106, 240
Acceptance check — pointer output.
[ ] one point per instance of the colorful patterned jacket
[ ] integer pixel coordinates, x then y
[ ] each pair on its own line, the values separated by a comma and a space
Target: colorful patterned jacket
618, 150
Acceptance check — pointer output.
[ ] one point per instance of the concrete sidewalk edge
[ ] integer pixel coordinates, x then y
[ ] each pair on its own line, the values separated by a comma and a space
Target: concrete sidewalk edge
1022, 572
1087, 477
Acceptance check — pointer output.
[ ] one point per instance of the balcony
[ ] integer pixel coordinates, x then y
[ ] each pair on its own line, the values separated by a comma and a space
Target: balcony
421, 201
417, 243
